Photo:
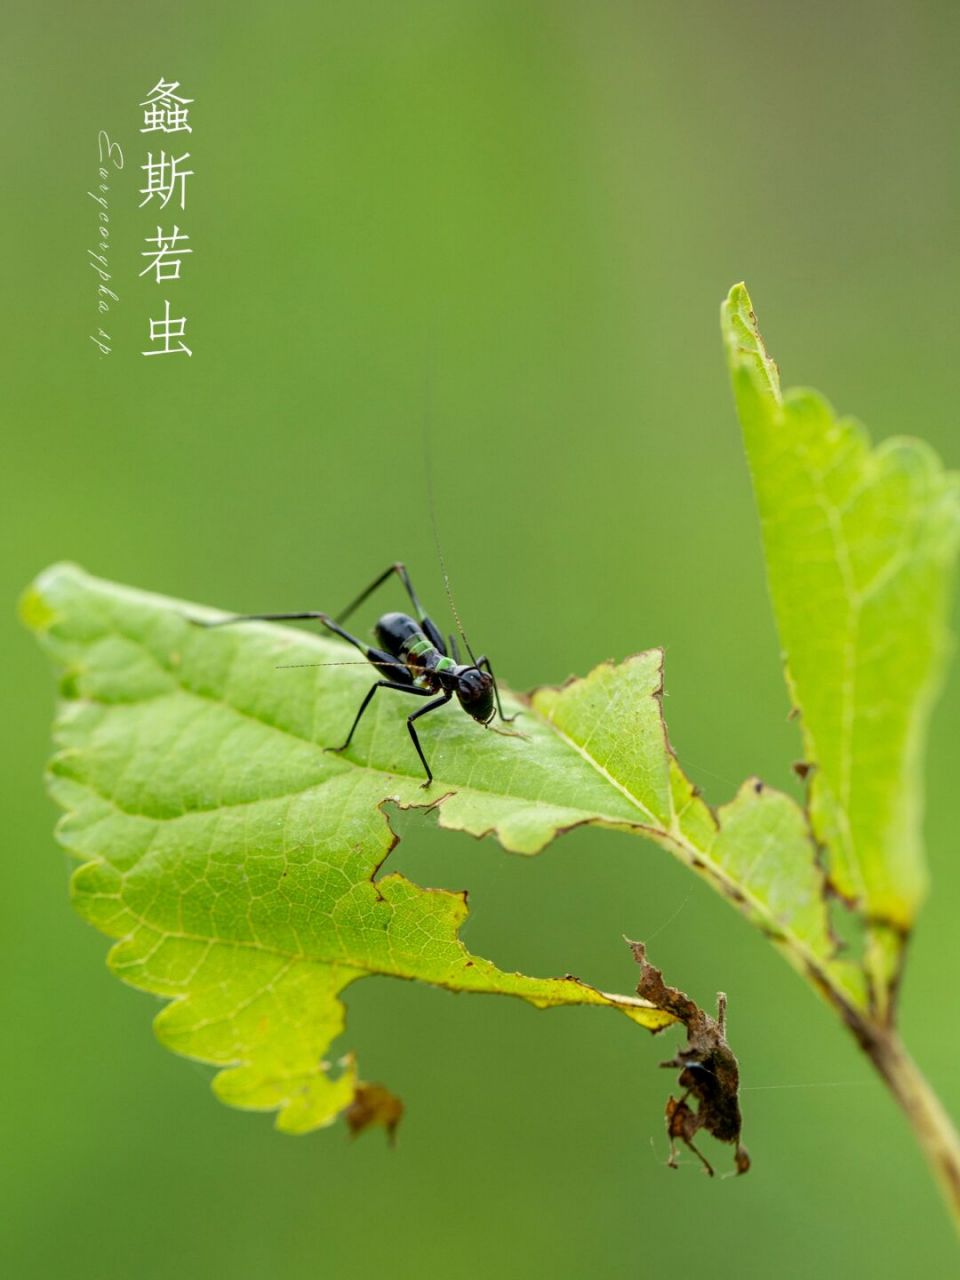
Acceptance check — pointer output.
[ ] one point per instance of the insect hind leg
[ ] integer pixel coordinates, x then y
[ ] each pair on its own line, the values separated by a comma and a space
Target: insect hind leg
400, 569
384, 662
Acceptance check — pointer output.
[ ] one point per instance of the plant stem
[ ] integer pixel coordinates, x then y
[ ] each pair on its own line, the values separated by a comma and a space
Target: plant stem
931, 1124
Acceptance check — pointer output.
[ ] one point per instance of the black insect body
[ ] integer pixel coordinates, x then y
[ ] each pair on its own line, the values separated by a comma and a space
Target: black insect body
412, 658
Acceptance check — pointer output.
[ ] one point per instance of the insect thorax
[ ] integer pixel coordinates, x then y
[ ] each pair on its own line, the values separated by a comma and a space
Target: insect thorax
425, 663
404, 638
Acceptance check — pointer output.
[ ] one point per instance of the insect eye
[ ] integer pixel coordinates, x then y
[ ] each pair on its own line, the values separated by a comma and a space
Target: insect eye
475, 685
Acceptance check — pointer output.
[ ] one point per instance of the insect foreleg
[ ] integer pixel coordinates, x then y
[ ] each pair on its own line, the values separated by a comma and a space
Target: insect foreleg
484, 664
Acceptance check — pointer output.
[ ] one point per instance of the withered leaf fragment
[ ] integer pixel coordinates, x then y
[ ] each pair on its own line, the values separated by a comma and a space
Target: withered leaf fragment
372, 1105
708, 1069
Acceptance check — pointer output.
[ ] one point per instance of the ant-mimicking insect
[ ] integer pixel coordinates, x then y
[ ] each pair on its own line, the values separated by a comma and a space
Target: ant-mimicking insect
413, 658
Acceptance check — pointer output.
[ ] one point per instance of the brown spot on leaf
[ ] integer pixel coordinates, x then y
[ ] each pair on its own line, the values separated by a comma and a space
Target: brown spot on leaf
372, 1105
802, 768
708, 1069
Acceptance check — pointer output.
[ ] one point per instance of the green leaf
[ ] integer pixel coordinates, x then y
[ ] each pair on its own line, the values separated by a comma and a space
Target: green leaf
860, 543
238, 863
756, 850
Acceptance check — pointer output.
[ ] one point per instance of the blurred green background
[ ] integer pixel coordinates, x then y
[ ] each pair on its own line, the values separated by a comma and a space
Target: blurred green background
544, 204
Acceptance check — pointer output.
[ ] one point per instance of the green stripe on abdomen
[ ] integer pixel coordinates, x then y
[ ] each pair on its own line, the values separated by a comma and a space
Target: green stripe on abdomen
418, 648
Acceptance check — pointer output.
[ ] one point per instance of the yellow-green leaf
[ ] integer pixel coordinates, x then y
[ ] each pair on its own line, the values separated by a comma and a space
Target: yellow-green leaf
238, 863
860, 543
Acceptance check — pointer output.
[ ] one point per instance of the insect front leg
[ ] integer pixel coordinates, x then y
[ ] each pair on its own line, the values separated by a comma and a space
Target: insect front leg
484, 664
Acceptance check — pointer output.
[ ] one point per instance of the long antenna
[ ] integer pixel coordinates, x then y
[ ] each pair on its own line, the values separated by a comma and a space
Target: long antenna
431, 501
292, 666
